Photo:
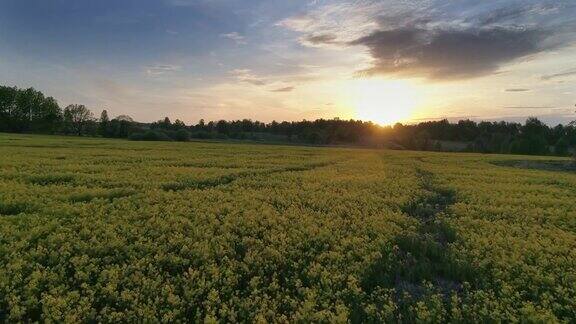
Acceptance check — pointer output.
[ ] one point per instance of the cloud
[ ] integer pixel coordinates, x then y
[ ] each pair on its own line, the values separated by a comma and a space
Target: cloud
347, 19
246, 75
161, 69
334, 24
445, 117
239, 39
285, 89
514, 13
517, 90
318, 40
529, 107
185, 3
448, 53
436, 39
567, 73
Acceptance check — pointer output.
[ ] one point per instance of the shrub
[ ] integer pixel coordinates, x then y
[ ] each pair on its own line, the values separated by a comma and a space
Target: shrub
150, 135
182, 135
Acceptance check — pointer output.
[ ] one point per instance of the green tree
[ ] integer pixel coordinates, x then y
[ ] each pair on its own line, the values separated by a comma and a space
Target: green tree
121, 126
561, 147
27, 110
7, 107
77, 119
104, 124
166, 123
533, 138
178, 124
28, 105
48, 117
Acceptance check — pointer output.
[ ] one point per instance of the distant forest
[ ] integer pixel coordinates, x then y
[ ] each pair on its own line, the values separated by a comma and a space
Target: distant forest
29, 111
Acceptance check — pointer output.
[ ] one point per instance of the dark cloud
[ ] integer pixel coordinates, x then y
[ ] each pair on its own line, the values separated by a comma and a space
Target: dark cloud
449, 53
517, 90
559, 75
445, 40
286, 89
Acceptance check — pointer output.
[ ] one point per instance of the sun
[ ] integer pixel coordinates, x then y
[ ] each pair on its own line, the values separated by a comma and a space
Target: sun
384, 101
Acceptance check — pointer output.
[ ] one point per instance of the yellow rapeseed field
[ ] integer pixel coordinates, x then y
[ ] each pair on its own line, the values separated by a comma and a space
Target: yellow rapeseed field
95, 230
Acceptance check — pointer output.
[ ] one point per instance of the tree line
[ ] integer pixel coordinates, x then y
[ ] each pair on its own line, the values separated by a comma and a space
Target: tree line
29, 111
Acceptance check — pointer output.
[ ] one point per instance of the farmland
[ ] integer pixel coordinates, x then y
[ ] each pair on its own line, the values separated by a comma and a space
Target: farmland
111, 230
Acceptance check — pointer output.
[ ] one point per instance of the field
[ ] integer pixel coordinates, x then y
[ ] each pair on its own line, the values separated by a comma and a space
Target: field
116, 231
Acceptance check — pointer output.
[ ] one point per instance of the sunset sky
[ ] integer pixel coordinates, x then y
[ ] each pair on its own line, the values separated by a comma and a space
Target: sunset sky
385, 61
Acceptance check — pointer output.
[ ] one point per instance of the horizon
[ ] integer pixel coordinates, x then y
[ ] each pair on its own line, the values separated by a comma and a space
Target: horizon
380, 61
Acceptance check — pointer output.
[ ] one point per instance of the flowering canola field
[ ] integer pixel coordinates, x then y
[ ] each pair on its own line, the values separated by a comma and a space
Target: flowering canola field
117, 231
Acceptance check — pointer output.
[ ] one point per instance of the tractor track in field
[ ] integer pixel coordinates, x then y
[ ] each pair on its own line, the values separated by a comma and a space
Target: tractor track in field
421, 263
230, 178
426, 254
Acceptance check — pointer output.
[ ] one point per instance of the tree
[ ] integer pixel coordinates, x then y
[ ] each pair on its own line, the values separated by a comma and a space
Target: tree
48, 117
178, 124
77, 119
222, 127
438, 146
166, 123
27, 106
535, 133
572, 127
104, 124
27, 110
125, 118
7, 105
121, 126
561, 147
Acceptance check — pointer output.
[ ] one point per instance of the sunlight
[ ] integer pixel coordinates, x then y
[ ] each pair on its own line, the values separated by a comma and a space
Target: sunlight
384, 101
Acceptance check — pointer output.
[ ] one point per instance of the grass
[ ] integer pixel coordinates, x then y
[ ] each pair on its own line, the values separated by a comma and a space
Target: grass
97, 230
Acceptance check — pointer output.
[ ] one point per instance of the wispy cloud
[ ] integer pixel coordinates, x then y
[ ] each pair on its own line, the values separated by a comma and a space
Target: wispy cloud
517, 90
349, 20
529, 107
444, 117
162, 69
567, 73
246, 75
320, 40
285, 89
183, 3
236, 37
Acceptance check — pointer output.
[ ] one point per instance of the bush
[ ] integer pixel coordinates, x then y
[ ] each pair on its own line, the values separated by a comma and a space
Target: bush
200, 134
181, 135
151, 135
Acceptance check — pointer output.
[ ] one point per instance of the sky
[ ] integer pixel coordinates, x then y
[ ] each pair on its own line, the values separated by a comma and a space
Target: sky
386, 61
